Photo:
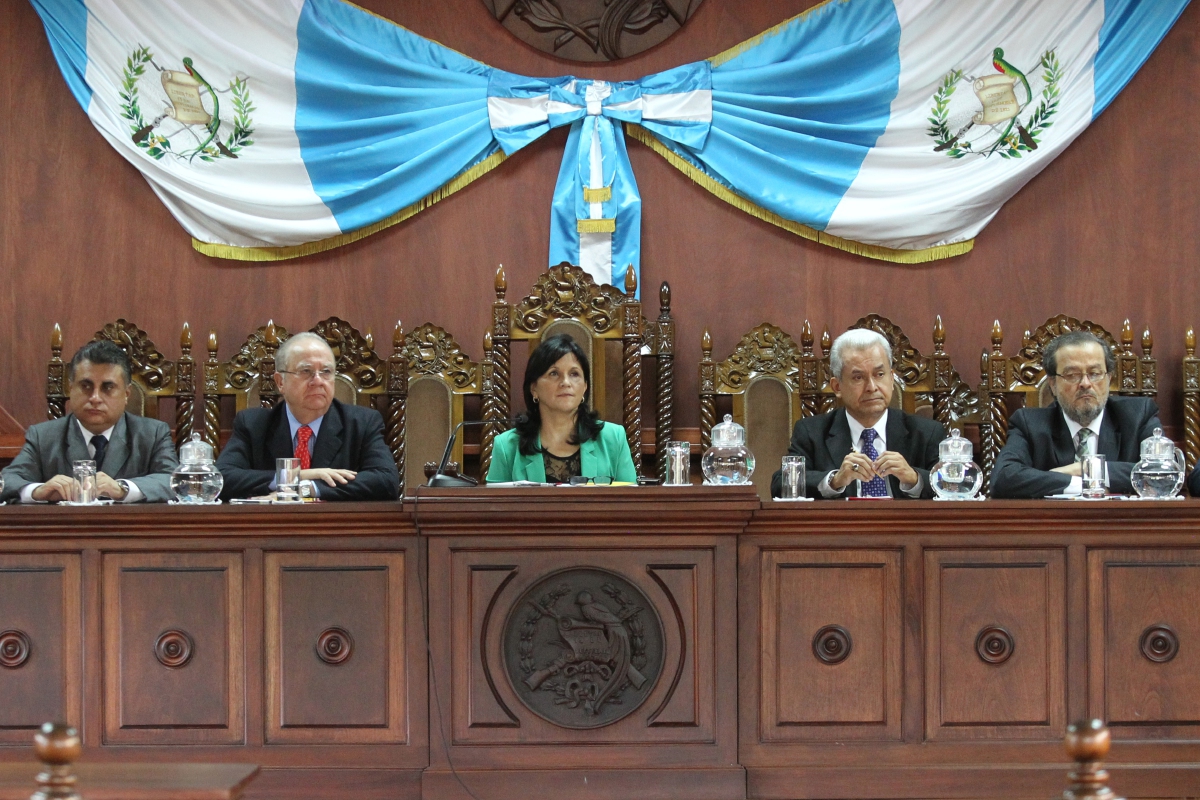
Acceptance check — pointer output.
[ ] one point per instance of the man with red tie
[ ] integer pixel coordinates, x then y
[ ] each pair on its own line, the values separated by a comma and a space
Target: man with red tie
342, 452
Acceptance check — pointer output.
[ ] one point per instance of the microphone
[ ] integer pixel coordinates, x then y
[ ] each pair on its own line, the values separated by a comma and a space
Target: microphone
440, 480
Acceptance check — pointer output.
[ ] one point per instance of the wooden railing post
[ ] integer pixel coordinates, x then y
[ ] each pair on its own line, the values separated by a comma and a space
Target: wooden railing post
1087, 744
57, 747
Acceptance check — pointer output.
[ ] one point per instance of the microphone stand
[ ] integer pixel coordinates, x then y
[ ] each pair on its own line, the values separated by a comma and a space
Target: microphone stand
439, 479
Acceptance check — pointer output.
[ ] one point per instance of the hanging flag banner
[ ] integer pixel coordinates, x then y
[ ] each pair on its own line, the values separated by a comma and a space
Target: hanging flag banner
895, 129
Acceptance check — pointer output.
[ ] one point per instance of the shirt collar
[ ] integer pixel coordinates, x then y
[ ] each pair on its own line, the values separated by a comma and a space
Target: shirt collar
87, 435
856, 429
294, 424
1074, 427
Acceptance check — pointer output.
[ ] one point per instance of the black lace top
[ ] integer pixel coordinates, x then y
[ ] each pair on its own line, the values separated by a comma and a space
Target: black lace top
561, 469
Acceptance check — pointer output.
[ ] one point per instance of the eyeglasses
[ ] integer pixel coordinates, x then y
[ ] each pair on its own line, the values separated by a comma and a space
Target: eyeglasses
1075, 378
580, 480
306, 374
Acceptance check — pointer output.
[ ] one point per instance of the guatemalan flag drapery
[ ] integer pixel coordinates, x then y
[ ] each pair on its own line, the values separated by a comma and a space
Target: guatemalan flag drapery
891, 128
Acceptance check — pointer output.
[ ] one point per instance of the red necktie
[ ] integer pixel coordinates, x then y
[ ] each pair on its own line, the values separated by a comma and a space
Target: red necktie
302, 438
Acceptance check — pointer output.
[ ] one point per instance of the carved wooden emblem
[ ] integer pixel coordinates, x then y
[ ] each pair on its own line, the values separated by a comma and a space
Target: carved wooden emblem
592, 30
583, 648
430, 350
567, 292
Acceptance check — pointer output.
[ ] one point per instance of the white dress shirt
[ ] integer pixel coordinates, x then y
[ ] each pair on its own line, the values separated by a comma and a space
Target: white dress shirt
295, 425
1076, 484
132, 493
856, 431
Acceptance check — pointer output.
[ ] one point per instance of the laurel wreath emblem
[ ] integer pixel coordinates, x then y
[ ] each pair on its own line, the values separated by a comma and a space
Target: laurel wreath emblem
155, 143
1010, 144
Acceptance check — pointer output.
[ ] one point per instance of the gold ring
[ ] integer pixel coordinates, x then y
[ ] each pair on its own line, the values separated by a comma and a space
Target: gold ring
854, 467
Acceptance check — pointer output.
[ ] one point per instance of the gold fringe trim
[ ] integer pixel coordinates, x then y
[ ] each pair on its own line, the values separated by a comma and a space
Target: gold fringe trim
460, 181
879, 252
601, 195
596, 225
749, 44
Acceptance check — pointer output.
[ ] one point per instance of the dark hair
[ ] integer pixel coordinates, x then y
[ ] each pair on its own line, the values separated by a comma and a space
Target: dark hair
101, 352
529, 424
1073, 339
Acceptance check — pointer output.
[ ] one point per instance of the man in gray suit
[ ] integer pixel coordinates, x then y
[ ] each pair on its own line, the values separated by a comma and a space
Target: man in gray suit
134, 455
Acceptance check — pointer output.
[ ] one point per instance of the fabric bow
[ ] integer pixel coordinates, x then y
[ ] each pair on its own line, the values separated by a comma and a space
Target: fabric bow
596, 216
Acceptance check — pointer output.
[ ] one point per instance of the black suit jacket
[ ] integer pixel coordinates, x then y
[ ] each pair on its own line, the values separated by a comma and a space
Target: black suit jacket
351, 437
1039, 440
824, 441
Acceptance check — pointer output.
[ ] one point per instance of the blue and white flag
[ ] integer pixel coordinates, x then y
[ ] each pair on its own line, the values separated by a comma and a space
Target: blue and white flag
891, 128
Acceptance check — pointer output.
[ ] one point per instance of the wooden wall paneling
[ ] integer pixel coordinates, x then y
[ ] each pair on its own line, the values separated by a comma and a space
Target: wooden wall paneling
831, 653
40, 646
336, 639
1143, 661
173, 643
995, 644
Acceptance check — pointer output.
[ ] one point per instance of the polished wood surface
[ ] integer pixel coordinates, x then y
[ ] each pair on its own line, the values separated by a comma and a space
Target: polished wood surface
139, 781
1101, 233
823, 650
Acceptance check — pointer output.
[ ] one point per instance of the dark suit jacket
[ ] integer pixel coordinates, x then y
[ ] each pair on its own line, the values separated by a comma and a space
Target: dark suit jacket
351, 437
1039, 441
140, 450
824, 441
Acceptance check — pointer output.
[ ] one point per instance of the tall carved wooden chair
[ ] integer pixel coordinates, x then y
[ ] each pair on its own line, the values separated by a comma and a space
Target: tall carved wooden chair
762, 378
1191, 400
565, 299
153, 376
1012, 382
430, 378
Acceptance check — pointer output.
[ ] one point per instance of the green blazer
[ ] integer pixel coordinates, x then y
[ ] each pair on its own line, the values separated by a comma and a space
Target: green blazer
606, 456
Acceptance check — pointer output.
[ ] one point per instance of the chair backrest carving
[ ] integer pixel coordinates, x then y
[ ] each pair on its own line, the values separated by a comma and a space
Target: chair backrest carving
566, 299
1019, 381
1191, 400
154, 376
762, 377
436, 376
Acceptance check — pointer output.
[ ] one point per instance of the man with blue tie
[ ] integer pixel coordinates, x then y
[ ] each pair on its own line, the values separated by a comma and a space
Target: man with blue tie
342, 452
864, 449
134, 455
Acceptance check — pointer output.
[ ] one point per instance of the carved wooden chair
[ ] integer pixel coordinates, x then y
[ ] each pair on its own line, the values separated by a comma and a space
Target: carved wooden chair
154, 376
1018, 381
565, 299
762, 378
1191, 401
430, 378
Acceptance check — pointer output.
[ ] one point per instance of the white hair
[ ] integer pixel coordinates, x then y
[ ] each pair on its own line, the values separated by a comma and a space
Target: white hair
284, 354
855, 340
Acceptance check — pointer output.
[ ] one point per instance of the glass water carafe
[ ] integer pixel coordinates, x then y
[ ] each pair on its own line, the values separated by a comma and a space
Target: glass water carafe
728, 461
955, 476
1159, 474
196, 480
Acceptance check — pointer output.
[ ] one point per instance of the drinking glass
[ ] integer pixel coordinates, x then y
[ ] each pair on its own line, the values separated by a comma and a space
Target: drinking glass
793, 478
84, 472
679, 458
1094, 471
287, 480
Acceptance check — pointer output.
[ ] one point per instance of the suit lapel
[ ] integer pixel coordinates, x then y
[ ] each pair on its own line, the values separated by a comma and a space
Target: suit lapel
589, 460
534, 466
1109, 437
279, 443
118, 449
75, 447
329, 439
897, 442
1060, 434
837, 440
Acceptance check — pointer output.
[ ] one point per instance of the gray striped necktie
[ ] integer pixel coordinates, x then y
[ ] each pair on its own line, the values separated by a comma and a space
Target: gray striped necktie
1083, 443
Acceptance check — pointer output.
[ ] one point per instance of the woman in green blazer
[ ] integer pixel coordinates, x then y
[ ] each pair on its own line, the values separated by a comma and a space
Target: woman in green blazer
559, 437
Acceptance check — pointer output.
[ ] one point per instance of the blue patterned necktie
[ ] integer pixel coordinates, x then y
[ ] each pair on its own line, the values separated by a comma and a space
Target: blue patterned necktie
877, 486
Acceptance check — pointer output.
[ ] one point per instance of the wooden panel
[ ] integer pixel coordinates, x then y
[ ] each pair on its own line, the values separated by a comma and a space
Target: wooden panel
173, 656
39, 643
335, 633
490, 606
831, 645
995, 644
1143, 635
140, 781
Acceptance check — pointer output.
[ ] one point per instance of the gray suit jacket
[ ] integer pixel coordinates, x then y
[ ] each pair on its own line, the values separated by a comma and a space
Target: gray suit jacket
140, 450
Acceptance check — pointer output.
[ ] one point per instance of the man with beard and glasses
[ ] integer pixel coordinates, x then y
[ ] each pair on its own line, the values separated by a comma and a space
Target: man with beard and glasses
1041, 457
